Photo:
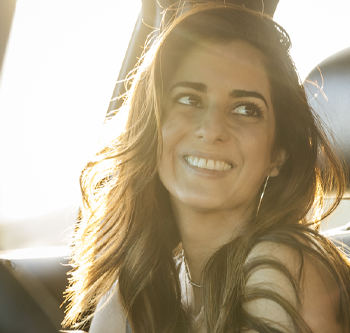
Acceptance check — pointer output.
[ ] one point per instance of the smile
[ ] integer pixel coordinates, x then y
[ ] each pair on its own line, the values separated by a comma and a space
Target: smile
208, 164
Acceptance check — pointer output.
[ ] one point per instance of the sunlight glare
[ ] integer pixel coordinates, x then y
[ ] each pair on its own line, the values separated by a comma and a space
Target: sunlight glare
62, 62
36, 252
318, 29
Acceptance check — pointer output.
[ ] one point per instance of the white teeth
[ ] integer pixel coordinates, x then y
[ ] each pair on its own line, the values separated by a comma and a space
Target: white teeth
218, 165
208, 164
202, 163
191, 159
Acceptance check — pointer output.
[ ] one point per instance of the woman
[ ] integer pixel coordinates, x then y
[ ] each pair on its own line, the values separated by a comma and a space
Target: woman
202, 214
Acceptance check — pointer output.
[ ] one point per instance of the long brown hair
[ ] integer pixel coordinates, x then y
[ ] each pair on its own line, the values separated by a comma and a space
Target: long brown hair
126, 231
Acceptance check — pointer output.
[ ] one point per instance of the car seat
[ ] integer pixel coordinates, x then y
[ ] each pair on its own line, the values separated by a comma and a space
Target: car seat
31, 291
328, 91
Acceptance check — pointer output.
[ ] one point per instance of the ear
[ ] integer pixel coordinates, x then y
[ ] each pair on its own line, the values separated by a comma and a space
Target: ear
278, 160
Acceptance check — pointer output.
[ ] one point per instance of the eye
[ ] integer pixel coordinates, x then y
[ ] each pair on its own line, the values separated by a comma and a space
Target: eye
247, 109
190, 100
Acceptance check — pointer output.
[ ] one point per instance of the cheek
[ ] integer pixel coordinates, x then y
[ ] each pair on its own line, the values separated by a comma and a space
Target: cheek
169, 143
174, 130
170, 136
258, 145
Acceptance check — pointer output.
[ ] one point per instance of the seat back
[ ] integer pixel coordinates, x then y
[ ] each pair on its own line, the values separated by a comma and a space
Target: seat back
328, 91
19, 312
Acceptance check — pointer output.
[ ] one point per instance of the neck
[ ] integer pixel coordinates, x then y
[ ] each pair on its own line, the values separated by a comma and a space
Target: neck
204, 232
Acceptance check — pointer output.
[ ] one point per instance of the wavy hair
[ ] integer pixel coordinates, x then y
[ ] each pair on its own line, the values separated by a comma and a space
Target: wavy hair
126, 230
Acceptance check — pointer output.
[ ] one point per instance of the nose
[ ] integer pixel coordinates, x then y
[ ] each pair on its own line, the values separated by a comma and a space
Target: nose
212, 126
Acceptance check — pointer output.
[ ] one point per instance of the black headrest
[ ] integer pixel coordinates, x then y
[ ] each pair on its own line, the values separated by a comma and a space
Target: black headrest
328, 90
18, 310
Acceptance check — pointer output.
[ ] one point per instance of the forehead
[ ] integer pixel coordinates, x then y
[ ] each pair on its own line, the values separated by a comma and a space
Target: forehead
233, 65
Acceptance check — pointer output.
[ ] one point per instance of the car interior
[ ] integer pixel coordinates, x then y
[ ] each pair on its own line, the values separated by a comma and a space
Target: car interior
31, 289
327, 88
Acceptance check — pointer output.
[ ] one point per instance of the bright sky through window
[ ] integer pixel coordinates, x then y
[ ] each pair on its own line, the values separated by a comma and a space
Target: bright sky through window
318, 29
62, 62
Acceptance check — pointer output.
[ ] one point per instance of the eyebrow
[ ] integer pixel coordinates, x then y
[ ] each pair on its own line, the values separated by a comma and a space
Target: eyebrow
201, 87
245, 93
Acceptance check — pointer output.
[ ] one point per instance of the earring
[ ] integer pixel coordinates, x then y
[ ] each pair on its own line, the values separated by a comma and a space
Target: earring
262, 194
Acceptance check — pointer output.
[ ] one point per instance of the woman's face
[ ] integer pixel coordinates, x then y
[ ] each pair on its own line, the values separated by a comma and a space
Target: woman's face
218, 128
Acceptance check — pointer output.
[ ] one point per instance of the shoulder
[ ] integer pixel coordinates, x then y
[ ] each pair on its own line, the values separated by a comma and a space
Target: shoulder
285, 285
109, 316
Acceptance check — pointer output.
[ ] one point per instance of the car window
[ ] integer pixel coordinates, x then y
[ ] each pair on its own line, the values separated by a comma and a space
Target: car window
318, 29
62, 61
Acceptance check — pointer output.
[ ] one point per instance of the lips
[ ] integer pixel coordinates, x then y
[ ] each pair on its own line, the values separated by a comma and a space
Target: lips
208, 164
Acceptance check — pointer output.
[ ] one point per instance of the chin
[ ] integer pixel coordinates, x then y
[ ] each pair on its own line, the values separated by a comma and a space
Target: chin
205, 203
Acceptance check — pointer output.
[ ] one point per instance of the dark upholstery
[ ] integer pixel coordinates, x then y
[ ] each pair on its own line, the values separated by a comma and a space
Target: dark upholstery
31, 292
18, 310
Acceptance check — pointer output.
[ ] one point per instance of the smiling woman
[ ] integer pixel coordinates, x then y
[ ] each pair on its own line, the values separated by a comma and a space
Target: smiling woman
218, 112
202, 215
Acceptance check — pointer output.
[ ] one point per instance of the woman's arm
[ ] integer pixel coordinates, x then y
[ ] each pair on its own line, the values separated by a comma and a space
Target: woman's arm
319, 294
109, 317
